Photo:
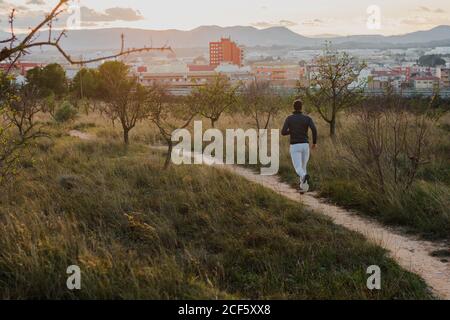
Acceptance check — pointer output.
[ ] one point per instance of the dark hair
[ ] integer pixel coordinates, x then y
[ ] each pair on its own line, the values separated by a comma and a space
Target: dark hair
298, 105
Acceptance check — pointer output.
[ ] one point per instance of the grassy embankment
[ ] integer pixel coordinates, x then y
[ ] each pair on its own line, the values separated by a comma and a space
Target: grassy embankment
423, 209
192, 232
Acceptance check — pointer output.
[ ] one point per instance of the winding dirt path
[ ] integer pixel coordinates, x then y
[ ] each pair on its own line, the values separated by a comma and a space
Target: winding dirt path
410, 252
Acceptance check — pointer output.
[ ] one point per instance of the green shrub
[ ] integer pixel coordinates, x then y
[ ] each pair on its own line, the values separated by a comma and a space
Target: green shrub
66, 112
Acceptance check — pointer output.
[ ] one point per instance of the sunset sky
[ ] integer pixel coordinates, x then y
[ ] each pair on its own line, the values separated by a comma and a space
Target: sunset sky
318, 17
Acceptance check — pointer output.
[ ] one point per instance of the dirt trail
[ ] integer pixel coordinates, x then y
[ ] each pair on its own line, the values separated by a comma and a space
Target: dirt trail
81, 135
410, 252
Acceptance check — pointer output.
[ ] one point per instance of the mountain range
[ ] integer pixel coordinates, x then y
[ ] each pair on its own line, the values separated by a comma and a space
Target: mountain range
106, 39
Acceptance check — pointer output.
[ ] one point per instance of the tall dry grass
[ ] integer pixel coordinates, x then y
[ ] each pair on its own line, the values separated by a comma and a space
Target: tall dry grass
341, 170
140, 232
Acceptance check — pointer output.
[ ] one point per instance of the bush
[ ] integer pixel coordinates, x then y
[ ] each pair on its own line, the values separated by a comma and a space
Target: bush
66, 112
368, 169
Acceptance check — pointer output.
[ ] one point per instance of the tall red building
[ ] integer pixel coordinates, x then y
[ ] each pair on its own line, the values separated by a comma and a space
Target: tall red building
225, 51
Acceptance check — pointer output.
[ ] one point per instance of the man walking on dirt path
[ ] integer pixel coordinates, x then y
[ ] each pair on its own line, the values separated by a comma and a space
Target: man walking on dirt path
297, 126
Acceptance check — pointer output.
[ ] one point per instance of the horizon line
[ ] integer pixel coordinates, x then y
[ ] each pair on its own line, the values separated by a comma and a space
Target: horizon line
322, 35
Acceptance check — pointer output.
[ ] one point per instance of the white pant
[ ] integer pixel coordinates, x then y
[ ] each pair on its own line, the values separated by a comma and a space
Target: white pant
300, 158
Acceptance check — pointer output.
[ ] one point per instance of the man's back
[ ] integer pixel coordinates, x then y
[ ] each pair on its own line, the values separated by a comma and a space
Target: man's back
297, 126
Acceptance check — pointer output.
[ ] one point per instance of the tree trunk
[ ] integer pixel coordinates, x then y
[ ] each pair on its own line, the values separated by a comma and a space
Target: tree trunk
333, 128
169, 155
126, 136
213, 123
333, 117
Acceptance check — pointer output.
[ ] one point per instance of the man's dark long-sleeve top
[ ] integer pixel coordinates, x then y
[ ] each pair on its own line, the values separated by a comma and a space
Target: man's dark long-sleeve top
297, 126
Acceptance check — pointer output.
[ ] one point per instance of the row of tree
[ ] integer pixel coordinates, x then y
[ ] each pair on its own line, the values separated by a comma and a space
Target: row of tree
111, 91
102, 84
334, 87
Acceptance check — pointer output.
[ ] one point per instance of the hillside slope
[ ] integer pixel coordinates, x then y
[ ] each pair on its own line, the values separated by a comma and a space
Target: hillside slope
187, 233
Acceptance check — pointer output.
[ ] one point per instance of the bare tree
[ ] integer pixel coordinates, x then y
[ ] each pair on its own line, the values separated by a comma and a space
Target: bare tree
8, 148
9, 152
18, 107
389, 142
170, 113
22, 114
261, 102
15, 48
334, 85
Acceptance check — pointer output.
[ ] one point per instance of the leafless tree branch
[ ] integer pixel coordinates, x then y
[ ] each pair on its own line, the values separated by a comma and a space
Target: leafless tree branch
14, 52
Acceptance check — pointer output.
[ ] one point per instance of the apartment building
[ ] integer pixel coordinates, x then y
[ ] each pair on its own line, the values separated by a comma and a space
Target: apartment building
426, 83
225, 51
280, 74
445, 77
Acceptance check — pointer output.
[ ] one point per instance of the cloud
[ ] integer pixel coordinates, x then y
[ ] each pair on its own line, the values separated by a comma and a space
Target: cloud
24, 20
36, 2
416, 21
262, 24
312, 23
288, 23
26, 17
425, 21
6, 7
281, 23
431, 10
425, 17
111, 14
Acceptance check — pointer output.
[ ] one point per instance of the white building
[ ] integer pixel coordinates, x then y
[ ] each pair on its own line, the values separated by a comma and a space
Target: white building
426, 83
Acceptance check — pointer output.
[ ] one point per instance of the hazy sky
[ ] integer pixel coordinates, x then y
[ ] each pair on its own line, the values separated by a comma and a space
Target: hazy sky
315, 17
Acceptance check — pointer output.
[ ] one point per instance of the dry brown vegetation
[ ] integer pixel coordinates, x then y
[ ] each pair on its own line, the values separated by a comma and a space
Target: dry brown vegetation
138, 231
392, 165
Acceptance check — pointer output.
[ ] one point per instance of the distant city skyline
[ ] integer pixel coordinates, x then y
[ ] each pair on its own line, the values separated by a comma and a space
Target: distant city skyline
309, 18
